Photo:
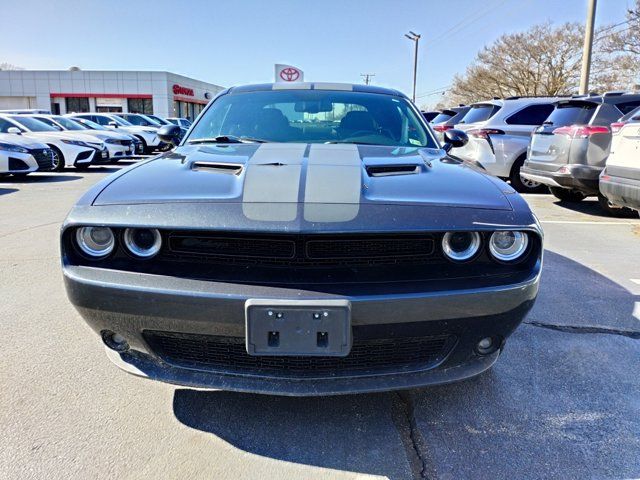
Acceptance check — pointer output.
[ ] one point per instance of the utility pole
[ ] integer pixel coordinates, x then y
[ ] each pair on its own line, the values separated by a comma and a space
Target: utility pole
588, 45
415, 38
367, 77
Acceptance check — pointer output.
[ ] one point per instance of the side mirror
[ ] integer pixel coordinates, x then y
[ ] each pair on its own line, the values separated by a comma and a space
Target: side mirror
14, 130
170, 134
454, 139
113, 124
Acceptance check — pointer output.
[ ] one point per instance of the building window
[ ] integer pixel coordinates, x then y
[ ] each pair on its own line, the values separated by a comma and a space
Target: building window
77, 105
140, 105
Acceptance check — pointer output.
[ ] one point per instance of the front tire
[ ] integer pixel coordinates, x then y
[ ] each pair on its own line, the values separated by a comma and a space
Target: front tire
523, 185
58, 159
567, 195
614, 210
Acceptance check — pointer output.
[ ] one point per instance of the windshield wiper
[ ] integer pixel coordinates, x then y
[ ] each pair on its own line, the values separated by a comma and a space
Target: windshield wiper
226, 139
547, 123
354, 143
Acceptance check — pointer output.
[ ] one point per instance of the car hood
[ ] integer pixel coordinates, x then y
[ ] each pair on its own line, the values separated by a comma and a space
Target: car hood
136, 128
103, 135
274, 174
57, 136
21, 141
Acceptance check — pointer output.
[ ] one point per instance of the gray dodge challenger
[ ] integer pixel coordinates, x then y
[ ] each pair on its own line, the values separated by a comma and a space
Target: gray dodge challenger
303, 239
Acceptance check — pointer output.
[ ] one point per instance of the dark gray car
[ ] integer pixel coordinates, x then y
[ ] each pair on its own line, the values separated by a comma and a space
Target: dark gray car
309, 239
569, 151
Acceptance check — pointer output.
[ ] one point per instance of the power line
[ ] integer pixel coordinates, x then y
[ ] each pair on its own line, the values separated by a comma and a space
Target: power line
465, 22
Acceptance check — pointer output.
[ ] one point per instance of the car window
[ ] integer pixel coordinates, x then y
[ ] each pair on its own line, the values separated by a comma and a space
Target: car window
480, 113
578, 113
33, 124
627, 107
5, 125
315, 116
531, 115
49, 122
443, 116
70, 124
632, 115
136, 120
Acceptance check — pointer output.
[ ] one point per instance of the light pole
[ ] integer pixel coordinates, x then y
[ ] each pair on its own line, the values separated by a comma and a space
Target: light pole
415, 38
588, 45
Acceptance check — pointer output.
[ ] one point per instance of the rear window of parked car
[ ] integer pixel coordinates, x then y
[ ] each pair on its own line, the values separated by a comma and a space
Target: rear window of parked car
627, 107
443, 116
632, 115
480, 113
572, 114
531, 115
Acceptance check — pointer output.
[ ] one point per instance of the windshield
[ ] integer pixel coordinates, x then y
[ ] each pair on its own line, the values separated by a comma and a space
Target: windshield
571, 114
161, 121
34, 125
140, 120
314, 116
49, 122
480, 113
89, 124
120, 121
69, 124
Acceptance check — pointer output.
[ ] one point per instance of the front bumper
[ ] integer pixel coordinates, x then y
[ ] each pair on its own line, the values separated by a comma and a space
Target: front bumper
572, 176
621, 191
131, 304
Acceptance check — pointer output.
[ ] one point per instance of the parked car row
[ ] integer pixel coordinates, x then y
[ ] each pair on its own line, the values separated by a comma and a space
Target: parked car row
558, 142
32, 140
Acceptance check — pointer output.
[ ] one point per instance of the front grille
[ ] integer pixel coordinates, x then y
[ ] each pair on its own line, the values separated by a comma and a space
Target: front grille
228, 354
44, 157
302, 250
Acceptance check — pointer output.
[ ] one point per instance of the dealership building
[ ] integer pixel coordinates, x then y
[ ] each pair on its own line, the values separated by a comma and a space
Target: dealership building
64, 91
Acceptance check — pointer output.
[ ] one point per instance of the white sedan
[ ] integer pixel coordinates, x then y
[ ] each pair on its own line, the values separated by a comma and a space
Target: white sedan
20, 156
69, 150
120, 145
620, 179
148, 135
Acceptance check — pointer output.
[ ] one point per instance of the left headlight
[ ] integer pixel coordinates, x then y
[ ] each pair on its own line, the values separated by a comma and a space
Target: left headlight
9, 147
112, 140
150, 131
461, 246
96, 242
508, 246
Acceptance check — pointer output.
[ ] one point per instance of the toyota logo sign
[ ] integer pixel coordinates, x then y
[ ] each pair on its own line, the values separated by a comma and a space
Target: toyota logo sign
290, 74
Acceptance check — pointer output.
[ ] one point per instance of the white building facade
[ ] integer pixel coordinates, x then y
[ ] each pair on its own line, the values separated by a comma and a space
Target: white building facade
65, 91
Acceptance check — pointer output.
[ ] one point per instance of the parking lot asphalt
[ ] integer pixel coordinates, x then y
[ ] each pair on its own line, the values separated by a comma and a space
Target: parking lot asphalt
563, 401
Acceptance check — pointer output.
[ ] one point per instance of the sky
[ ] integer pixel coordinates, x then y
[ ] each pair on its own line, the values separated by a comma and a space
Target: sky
238, 42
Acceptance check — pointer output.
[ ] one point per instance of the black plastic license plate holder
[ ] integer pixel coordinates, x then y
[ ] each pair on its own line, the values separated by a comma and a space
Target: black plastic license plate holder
298, 327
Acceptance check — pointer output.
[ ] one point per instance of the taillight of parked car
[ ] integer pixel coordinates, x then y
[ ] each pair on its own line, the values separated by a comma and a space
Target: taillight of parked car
484, 132
442, 128
581, 131
617, 126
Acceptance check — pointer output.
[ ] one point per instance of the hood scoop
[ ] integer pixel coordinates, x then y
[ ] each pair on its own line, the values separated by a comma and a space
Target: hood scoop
392, 170
217, 167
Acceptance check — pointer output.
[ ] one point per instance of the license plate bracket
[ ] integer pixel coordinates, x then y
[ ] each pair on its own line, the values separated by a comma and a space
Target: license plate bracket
298, 327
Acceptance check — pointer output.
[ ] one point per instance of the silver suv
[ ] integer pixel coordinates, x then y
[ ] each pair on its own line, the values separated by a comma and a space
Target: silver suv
570, 149
499, 133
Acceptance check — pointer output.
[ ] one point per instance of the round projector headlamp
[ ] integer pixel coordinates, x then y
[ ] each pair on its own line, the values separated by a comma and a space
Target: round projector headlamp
143, 242
460, 246
507, 246
95, 242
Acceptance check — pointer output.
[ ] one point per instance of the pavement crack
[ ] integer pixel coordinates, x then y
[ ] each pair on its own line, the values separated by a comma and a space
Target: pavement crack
402, 408
586, 329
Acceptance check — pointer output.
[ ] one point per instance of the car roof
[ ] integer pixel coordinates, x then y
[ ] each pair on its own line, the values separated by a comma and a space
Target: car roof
347, 87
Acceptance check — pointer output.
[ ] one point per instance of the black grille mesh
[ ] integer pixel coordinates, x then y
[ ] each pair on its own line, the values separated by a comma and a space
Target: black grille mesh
228, 354
44, 157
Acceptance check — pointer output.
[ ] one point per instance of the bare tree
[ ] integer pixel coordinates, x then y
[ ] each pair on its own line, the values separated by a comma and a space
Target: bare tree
9, 66
627, 38
544, 60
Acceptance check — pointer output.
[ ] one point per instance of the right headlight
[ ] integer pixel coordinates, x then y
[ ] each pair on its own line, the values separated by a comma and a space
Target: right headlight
143, 242
9, 147
508, 245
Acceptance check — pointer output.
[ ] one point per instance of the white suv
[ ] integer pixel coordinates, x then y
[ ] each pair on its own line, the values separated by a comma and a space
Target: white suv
148, 135
499, 133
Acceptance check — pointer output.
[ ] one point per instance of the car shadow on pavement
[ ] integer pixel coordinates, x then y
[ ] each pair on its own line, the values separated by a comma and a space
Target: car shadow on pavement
561, 402
588, 206
5, 191
41, 178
